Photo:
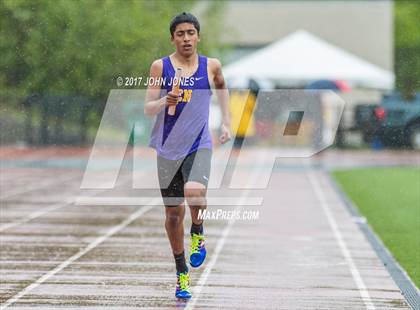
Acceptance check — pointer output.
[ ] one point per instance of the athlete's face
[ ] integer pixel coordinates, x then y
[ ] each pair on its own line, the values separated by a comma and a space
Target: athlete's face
185, 39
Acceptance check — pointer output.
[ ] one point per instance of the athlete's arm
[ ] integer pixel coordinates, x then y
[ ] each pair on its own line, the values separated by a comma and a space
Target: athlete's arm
153, 103
222, 96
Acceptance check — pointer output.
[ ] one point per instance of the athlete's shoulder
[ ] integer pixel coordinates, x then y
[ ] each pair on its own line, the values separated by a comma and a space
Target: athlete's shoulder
156, 68
214, 64
157, 64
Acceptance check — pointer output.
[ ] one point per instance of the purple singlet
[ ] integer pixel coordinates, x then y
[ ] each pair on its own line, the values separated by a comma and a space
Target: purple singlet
176, 136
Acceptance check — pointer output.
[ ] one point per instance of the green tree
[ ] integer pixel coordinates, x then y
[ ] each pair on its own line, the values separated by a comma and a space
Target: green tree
407, 46
80, 47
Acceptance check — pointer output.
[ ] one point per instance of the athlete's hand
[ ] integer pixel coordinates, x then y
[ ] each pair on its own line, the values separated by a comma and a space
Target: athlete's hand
225, 135
171, 99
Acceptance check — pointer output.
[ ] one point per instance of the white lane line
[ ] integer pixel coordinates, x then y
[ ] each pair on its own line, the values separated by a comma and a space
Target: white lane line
52, 180
54, 207
117, 201
82, 252
220, 243
364, 293
33, 215
84, 263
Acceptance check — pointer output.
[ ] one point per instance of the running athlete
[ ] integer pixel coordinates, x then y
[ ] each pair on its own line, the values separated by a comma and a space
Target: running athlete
182, 140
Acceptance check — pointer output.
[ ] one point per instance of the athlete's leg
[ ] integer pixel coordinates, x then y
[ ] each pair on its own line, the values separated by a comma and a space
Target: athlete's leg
174, 225
195, 193
171, 187
196, 172
173, 199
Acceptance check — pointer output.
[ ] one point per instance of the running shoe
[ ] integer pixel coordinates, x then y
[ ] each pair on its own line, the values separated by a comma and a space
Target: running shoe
197, 250
183, 285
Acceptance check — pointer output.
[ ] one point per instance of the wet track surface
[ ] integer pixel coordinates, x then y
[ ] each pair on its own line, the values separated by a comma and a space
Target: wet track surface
305, 250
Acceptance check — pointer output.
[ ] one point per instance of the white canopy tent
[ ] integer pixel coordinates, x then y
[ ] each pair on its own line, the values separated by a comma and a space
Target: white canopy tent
301, 58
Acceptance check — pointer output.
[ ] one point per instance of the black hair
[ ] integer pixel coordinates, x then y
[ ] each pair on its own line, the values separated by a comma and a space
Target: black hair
184, 18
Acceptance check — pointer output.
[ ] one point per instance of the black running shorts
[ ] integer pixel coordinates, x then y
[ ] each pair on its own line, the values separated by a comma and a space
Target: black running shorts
194, 167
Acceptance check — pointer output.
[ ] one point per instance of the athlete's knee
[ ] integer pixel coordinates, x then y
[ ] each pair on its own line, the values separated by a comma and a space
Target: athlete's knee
175, 215
195, 193
194, 189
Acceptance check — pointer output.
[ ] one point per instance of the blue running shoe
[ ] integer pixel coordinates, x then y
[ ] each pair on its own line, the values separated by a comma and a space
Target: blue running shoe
183, 286
197, 250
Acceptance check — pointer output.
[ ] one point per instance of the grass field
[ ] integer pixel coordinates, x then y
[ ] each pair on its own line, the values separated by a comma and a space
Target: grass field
390, 200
